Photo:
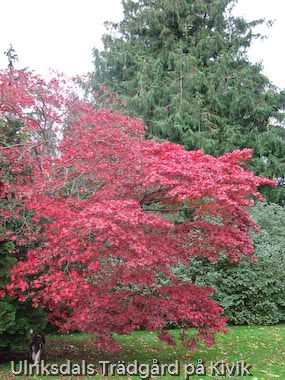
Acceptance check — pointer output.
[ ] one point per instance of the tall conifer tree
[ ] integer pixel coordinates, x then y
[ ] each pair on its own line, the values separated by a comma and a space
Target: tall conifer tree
182, 66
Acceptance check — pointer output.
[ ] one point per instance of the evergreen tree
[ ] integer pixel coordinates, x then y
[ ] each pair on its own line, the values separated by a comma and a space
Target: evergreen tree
182, 66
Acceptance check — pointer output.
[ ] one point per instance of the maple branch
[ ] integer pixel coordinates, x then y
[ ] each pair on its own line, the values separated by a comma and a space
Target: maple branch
167, 210
11, 146
6, 146
143, 201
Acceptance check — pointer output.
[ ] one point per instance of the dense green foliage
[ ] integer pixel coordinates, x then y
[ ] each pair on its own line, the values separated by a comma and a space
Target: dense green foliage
182, 66
251, 292
16, 318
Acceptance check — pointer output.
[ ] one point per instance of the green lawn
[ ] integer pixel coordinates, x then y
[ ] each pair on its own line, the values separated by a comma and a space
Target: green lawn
261, 347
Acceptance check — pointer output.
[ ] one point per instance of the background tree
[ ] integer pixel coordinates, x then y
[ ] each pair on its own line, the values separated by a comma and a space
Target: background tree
12, 57
182, 66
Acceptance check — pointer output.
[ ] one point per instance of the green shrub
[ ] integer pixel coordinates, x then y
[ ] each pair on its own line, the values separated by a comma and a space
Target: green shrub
250, 292
16, 319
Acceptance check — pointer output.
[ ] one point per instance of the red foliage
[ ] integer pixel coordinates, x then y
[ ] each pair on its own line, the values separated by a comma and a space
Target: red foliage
105, 205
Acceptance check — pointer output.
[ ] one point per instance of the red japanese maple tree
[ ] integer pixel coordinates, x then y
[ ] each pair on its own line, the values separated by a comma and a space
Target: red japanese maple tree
112, 214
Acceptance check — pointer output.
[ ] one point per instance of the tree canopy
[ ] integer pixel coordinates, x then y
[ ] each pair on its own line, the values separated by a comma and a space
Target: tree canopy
182, 66
107, 215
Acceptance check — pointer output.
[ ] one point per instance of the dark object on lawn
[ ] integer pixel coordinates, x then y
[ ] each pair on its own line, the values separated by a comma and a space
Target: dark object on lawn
36, 347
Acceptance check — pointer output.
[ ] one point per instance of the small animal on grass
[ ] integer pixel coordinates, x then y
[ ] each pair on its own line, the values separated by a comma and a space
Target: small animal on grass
36, 347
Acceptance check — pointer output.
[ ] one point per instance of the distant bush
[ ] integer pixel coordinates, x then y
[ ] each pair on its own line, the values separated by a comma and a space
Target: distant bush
251, 293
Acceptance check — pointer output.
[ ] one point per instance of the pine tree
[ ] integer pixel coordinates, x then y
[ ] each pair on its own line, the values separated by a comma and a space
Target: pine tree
182, 66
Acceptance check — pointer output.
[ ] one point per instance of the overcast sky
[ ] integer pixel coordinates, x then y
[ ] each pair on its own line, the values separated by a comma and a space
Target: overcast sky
60, 34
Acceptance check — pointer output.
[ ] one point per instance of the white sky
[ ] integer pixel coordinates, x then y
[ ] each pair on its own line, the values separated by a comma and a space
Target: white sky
60, 34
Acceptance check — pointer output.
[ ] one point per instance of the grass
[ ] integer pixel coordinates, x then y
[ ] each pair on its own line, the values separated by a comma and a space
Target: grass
262, 347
